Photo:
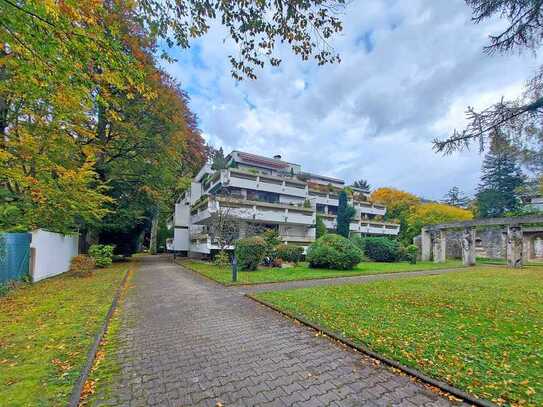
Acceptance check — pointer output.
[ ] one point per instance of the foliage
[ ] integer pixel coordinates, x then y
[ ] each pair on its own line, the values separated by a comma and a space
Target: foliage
412, 253
82, 265
359, 242
382, 249
501, 177
303, 272
362, 184
289, 252
250, 252
455, 197
320, 227
102, 254
441, 324
46, 330
432, 214
218, 161
345, 214
221, 259
333, 251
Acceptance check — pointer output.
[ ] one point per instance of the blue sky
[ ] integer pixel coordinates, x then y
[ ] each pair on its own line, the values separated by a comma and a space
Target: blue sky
408, 71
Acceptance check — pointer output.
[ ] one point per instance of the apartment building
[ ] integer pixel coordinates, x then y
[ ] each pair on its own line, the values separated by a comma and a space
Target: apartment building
262, 193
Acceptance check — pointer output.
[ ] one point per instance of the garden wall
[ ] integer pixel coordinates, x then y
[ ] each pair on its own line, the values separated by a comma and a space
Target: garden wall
51, 253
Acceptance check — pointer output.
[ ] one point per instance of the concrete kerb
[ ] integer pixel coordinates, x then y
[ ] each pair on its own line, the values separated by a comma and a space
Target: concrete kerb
392, 363
77, 390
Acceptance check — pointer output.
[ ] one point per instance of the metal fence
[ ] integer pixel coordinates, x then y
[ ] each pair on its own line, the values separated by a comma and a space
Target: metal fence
14, 256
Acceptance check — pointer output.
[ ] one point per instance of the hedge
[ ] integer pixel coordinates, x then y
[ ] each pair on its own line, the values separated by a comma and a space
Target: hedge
289, 252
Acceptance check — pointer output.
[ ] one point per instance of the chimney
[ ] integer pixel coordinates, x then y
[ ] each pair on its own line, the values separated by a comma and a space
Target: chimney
277, 157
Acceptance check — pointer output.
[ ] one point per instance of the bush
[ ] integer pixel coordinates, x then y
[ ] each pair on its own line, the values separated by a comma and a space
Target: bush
333, 252
102, 254
412, 252
222, 259
289, 252
358, 241
250, 252
82, 265
382, 249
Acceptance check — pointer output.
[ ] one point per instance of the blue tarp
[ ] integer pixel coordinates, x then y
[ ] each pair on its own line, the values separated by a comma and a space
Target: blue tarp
14, 256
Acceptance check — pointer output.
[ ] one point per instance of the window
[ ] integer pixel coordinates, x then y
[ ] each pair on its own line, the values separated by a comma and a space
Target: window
320, 208
262, 196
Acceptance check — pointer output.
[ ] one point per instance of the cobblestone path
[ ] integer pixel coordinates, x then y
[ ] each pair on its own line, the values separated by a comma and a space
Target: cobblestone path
186, 341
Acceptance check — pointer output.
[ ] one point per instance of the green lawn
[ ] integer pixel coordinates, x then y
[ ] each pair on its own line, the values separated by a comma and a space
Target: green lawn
46, 330
480, 330
303, 272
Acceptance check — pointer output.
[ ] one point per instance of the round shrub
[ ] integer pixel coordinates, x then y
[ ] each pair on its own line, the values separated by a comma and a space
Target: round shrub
412, 252
82, 265
289, 252
382, 249
250, 252
221, 259
333, 252
102, 254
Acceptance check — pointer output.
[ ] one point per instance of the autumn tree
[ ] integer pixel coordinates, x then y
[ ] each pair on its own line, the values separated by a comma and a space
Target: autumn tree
431, 214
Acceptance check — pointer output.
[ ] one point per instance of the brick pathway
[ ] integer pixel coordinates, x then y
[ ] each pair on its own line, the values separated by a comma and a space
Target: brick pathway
186, 341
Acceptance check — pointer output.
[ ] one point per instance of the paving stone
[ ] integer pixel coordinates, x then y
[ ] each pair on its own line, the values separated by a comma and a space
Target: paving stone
186, 341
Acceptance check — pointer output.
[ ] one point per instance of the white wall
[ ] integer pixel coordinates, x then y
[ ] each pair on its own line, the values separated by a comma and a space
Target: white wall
52, 253
181, 239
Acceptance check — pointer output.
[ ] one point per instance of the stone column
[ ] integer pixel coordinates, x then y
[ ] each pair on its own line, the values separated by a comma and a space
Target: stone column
440, 246
526, 248
468, 247
514, 246
425, 245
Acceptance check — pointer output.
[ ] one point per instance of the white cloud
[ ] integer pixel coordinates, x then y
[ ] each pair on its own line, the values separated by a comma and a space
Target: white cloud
408, 71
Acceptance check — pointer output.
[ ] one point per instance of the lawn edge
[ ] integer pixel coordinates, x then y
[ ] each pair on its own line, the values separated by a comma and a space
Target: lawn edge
77, 390
390, 362
312, 279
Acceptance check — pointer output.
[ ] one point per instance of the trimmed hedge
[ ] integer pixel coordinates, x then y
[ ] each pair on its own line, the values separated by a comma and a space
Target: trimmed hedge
333, 251
250, 252
289, 252
382, 249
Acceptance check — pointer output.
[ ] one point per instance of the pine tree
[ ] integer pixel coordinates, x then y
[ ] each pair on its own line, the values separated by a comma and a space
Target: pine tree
345, 214
219, 161
362, 184
501, 177
456, 197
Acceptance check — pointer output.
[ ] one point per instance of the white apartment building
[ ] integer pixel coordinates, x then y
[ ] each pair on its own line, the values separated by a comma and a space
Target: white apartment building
270, 193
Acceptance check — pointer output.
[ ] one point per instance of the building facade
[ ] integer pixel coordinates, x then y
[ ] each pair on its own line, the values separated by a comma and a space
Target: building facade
263, 193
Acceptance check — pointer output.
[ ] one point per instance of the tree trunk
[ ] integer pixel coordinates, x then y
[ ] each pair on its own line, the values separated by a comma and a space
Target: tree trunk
154, 232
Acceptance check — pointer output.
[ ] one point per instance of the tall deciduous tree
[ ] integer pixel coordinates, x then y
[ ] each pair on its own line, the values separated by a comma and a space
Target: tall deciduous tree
500, 179
345, 214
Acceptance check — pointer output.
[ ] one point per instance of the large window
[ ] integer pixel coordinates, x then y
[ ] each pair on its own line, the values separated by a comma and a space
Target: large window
263, 196
320, 208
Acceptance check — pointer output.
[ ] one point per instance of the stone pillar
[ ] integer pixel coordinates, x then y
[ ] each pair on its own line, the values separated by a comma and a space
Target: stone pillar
468, 247
440, 246
514, 246
425, 245
526, 248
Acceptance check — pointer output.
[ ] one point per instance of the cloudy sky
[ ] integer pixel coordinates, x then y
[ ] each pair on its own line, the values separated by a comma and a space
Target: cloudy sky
408, 70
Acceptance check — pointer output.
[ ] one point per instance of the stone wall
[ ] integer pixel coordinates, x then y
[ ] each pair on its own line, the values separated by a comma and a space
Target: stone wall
491, 243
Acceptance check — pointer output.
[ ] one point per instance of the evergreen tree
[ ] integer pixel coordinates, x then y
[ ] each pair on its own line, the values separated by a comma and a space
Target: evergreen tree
455, 197
345, 214
501, 177
218, 160
362, 184
320, 227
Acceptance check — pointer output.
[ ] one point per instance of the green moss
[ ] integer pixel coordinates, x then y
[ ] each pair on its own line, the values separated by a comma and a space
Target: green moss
480, 330
223, 275
46, 330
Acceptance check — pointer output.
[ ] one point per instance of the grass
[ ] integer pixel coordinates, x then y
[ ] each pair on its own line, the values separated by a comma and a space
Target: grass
223, 275
46, 330
480, 330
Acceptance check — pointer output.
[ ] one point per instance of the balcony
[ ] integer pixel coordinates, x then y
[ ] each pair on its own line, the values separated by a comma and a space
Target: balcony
267, 183
365, 227
369, 208
253, 211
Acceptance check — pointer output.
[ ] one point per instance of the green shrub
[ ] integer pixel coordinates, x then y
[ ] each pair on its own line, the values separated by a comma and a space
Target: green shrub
102, 254
358, 241
82, 265
289, 252
221, 259
250, 252
4, 288
272, 239
412, 252
382, 249
332, 251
